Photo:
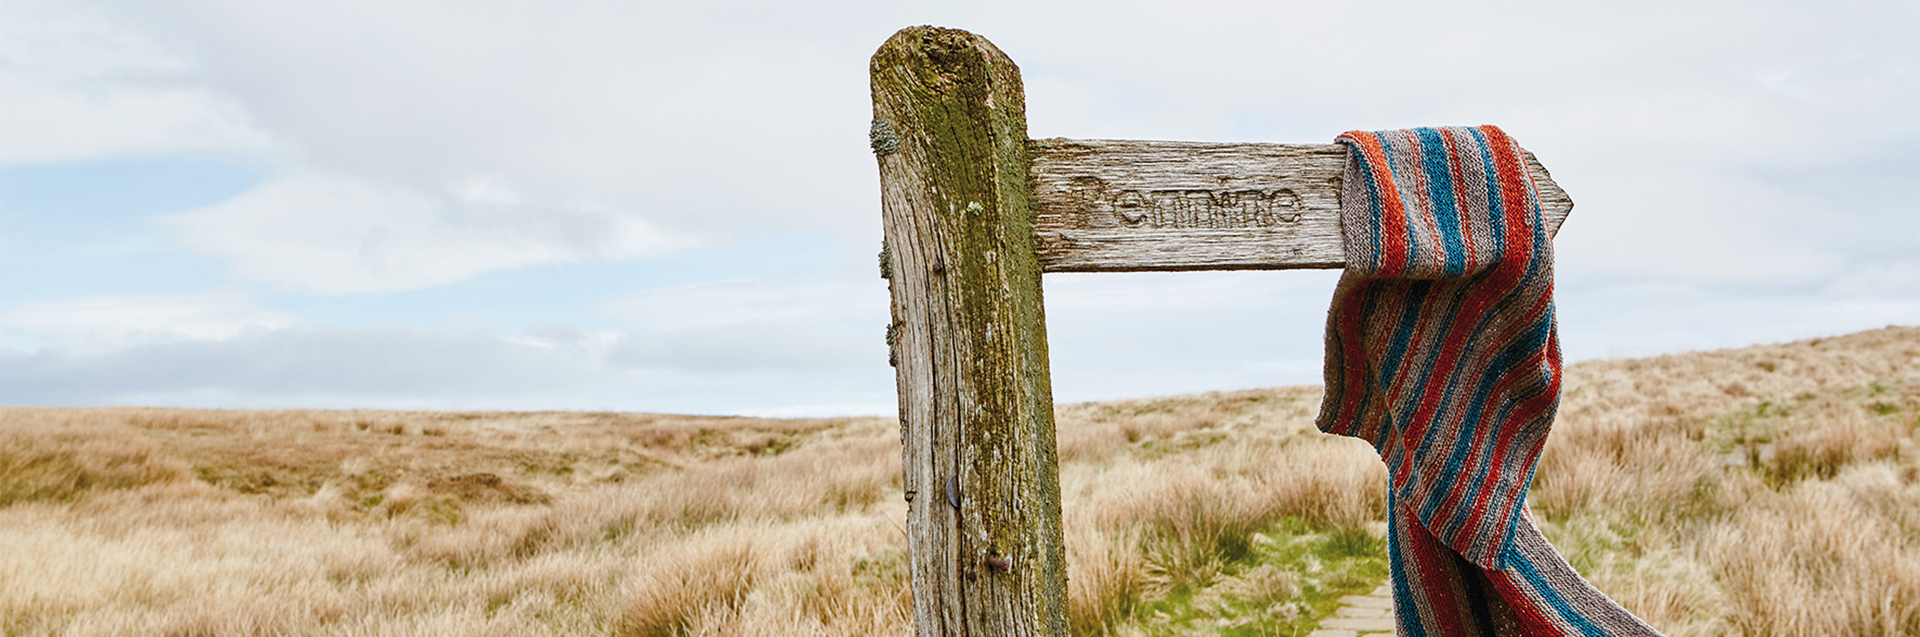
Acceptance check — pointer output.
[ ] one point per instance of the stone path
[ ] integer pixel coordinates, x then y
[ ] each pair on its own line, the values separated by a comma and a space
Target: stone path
1360, 616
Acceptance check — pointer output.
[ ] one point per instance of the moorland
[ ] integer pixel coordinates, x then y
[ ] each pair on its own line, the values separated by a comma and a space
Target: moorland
1769, 490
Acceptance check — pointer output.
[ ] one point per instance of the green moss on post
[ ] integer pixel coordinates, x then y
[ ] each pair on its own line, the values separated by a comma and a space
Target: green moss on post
970, 337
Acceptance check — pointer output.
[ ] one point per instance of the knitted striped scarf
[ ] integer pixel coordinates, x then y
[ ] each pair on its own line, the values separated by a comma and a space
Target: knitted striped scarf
1442, 351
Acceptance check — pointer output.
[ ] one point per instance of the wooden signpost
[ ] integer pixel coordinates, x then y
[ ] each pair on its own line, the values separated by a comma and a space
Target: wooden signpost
974, 213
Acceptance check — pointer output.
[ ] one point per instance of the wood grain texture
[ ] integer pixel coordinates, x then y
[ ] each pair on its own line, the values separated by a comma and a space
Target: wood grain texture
969, 338
1122, 205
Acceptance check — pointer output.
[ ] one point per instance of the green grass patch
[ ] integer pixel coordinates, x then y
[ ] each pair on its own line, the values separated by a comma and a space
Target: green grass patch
1288, 579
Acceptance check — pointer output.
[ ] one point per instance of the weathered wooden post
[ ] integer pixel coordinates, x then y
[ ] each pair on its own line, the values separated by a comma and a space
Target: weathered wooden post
974, 213
969, 339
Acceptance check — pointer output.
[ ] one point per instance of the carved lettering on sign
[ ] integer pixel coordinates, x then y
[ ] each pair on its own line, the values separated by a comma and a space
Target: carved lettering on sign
1185, 207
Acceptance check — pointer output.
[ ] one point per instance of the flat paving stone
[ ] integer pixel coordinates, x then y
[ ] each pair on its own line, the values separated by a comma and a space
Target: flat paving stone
1367, 601
1361, 616
1359, 623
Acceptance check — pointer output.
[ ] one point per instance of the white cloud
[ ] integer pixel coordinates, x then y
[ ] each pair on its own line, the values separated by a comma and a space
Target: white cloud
704, 121
746, 301
1117, 335
333, 366
419, 144
411, 368
1759, 156
751, 325
113, 322
696, 118
335, 235
1652, 318
743, 347
83, 84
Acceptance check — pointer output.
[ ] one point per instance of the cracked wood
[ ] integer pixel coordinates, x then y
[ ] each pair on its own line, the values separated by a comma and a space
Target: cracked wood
969, 336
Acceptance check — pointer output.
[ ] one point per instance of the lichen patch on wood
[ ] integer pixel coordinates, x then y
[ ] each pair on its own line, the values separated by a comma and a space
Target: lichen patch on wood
970, 342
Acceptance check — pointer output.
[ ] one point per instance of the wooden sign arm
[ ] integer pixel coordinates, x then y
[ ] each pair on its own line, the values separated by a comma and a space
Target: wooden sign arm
1120, 205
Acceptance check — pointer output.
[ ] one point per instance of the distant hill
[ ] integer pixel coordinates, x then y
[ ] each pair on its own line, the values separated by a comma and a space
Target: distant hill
1712, 493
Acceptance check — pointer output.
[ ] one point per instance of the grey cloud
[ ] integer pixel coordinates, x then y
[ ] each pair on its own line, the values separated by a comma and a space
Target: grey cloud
1651, 318
706, 122
1759, 156
297, 364
739, 370
747, 347
1119, 335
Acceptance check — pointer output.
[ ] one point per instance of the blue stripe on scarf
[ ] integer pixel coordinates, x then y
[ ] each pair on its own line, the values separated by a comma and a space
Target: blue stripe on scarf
1446, 396
1508, 358
1408, 618
1535, 337
1524, 567
1446, 212
1403, 332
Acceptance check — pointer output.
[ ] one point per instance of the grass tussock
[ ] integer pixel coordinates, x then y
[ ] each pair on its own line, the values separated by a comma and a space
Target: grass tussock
60, 464
1712, 493
1772, 490
700, 584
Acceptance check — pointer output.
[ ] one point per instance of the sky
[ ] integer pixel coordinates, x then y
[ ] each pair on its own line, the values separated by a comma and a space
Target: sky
672, 207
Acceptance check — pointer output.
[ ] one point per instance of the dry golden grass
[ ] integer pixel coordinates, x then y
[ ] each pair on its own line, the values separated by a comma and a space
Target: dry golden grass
1772, 490
1764, 491
184, 522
